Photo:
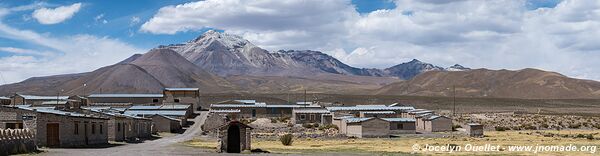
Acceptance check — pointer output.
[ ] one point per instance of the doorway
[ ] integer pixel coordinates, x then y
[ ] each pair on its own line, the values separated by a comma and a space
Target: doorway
85, 133
52, 135
233, 139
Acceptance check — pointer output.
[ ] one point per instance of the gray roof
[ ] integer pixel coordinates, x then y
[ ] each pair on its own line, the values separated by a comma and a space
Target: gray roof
182, 89
175, 106
36, 97
144, 107
304, 103
399, 119
54, 102
225, 110
4, 98
368, 108
165, 116
343, 117
433, 117
126, 96
355, 119
311, 111
259, 105
378, 112
155, 112
50, 110
421, 112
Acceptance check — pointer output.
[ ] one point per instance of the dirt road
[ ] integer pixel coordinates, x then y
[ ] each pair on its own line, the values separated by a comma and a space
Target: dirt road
164, 146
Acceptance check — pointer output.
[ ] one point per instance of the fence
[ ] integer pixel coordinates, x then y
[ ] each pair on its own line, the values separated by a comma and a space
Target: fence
16, 141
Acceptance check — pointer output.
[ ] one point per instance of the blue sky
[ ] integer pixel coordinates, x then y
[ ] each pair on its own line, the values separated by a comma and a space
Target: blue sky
37, 38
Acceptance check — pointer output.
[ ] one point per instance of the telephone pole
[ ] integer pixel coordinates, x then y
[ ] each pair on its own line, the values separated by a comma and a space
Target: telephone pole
453, 100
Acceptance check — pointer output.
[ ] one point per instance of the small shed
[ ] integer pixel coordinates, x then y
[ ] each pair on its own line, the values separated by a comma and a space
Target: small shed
234, 137
163, 123
474, 129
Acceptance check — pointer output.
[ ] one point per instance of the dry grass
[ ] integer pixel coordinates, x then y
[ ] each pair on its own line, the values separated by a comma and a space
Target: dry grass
393, 146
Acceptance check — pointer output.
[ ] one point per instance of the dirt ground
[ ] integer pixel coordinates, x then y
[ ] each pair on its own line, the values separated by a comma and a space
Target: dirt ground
406, 145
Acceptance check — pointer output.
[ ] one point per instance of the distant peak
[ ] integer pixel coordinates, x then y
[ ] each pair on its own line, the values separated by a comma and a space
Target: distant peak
228, 40
415, 61
457, 67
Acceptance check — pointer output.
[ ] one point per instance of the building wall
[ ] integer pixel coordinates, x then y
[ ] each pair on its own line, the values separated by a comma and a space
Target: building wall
375, 128
353, 130
5, 101
162, 124
191, 97
474, 130
68, 138
326, 119
439, 125
17, 100
143, 100
308, 118
406, 128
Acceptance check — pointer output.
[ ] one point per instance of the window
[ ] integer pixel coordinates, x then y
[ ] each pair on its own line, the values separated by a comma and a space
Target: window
76, 130
400, 126
254, 113
118, 127
155, 100
93, 128
312, 117
302, 117
100, 128
176, 100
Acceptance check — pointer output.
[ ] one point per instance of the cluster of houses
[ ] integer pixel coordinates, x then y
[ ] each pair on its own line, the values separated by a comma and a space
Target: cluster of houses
71, 121
354, 121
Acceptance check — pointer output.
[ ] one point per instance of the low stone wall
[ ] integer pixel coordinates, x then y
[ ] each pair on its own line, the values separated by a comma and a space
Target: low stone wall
16, 141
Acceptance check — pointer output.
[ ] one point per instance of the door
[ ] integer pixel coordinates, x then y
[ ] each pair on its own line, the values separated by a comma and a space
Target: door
233, 139
85, 132
52, 137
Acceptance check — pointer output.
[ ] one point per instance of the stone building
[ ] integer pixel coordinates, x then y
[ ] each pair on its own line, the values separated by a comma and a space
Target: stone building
308, 115
183, 95
234, 137
122, 127
4, 100
178, 111
163, 123
401, 125
108, 99
366, 127
355, 110
379, 114
433, 123
474, 129
253, 109
56, 128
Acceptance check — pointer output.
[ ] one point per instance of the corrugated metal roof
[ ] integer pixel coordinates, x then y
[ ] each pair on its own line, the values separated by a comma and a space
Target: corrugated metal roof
313, 111
246, 101
421, 112
259, 105
168, 117
225, 110
178, 107
4, 98
416, 110
368, 108
126, 96
182, 89
154, 112
303, 103
144, 107
379, 112
343, 117
59, 112
355, 119
36, 97
399, 119
54, 102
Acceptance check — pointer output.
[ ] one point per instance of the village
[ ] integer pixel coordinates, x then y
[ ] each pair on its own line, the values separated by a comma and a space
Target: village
29, 123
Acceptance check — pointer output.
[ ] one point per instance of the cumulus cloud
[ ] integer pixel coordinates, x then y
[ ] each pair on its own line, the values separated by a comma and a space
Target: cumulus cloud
55, 15
67, 54
498, 34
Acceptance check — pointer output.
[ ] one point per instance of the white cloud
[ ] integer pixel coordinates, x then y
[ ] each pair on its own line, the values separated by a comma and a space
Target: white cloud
70, 54
55, 15
491, 34
134, 21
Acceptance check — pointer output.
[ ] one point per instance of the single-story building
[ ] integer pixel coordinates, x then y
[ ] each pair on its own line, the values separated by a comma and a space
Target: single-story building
401, 125
355, 110
433, 123
253, 109
122, 127
414, 114
379, 114
366, 127
234, 137
474, 129
146, 99
34, 100
4, 100
180, 112
56, 128
163, 123
308, 115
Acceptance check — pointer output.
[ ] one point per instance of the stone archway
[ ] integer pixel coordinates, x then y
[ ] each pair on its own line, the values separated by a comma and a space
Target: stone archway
233, 139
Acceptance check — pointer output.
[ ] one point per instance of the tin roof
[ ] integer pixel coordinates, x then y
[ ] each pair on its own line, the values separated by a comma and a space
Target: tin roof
311, 111
126, 96
59, 112
224, 111
304, 103
368, 108
54, 102
356, 120
399, 119
144, 107
4, 98
182, 89
258, 105
421, 112
378, 112
175, 106
154, 112
165, 116
36, 97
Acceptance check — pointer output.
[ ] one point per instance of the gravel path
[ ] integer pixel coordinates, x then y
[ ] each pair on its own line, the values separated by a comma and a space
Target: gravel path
164, 146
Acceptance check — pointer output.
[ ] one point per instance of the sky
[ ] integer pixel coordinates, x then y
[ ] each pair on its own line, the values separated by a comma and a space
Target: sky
41, 38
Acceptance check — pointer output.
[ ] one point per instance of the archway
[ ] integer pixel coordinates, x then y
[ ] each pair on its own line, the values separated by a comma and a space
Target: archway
233, 139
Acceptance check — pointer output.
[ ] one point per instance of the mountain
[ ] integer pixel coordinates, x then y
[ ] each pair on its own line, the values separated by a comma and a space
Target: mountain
457, 67
526, 83
410, 69
147, 73
227, 55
